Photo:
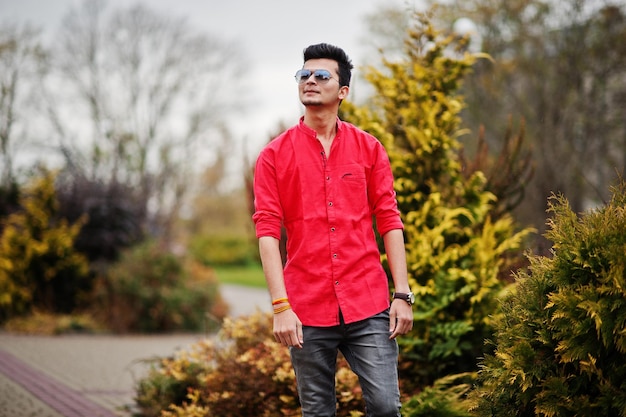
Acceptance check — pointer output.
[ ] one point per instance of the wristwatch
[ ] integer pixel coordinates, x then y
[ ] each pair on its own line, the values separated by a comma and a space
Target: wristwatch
408, 297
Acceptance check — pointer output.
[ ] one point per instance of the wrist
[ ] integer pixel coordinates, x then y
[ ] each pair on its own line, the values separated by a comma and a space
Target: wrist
282, 308
281, 305
279, 301
408, 297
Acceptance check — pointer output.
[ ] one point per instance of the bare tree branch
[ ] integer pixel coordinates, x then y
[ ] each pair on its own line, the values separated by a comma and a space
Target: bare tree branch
145, 98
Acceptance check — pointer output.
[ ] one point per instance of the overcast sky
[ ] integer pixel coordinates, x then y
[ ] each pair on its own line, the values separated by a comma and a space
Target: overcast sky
272, 34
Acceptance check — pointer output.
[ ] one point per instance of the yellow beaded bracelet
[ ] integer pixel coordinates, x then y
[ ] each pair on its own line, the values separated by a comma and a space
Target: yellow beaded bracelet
281, 309
279, 301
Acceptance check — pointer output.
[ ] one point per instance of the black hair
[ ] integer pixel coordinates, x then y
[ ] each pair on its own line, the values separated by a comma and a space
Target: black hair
327, 51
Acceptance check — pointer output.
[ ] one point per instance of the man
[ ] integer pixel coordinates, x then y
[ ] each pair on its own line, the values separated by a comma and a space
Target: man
324, 180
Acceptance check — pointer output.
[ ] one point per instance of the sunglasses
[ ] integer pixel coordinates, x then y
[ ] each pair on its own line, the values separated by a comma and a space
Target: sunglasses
321, 75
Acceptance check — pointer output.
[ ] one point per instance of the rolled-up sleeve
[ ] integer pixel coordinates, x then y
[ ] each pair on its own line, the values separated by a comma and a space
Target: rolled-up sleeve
267, 215
382, 195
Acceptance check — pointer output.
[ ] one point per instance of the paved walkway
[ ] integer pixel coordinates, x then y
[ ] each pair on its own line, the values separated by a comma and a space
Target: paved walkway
91, 375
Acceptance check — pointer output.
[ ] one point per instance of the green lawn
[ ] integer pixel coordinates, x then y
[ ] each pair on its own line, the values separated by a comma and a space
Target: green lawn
250, 276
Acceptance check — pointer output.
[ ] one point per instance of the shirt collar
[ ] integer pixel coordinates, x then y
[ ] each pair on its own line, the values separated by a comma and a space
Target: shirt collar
309, 131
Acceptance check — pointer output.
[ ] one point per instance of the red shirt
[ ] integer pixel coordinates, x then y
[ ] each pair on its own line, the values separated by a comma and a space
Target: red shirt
327, 205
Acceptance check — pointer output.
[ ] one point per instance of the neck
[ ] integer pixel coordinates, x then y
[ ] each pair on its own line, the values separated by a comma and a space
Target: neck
324, 123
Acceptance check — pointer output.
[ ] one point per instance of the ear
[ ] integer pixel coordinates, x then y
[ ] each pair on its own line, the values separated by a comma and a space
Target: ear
343, 92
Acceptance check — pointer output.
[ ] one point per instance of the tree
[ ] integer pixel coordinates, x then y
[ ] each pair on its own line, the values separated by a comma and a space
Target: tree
507, 164
19, 52
139, 98
19, 57
456, 251
507, 174
561, 65
387, 28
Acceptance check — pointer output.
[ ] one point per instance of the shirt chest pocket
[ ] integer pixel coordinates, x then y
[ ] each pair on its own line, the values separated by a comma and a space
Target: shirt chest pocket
351, 187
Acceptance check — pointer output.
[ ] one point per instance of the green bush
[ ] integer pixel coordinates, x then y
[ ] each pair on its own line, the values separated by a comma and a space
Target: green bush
445, 398
561, 340
242, 373
222, 250
39, 267
152, 290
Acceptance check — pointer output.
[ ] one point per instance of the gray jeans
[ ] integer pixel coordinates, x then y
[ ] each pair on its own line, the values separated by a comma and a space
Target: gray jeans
371, 355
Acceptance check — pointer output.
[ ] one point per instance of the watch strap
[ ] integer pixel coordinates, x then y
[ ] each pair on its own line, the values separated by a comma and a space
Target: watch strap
403, 296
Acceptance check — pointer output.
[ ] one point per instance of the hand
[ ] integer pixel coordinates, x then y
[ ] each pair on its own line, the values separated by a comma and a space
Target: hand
288, 329
400, 318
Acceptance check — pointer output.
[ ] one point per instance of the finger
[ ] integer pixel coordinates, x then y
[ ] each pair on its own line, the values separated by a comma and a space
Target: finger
405, 325
395, 333
297, 344
292, 338
282, 341
300, 335
282, 337
393, 321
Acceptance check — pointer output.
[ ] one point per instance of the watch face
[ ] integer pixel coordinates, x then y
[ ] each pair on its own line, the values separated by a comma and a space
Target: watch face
411, 298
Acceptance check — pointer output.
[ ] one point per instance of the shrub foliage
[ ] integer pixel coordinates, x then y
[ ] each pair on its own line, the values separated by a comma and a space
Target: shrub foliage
152, 290
39, 266
243, 372
561, 341
115, 216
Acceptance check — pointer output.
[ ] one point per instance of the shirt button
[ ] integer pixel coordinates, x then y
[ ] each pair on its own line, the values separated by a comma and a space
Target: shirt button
332, 229
336, 282
334, 255
327, 178
330, 203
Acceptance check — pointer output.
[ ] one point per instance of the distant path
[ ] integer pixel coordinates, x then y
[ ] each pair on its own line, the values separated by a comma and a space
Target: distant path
244, 301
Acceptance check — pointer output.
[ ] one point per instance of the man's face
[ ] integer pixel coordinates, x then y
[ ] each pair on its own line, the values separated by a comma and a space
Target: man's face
316, 91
